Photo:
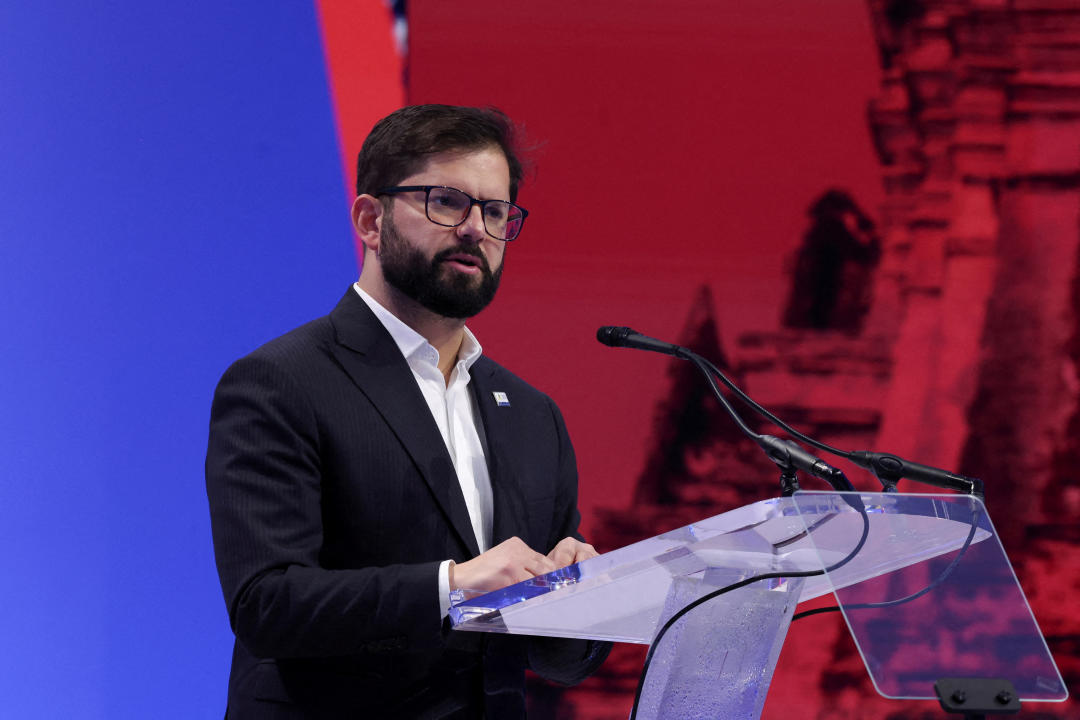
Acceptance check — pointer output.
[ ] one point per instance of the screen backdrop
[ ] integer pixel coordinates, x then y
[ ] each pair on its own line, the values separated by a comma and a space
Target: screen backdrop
678, 148
175, 187
678, 144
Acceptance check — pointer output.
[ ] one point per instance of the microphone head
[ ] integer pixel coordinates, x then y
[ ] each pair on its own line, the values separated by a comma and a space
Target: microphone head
613, 336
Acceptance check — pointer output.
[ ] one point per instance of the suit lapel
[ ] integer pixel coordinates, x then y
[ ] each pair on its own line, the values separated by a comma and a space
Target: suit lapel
499, 428
369, 355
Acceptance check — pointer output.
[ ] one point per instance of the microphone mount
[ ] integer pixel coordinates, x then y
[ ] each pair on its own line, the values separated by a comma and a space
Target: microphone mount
888, 468
788, 456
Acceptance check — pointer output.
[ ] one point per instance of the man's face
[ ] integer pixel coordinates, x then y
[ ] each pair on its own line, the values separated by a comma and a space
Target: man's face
446, 270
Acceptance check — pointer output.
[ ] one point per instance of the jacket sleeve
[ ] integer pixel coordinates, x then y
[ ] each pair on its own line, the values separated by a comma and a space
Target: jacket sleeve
263, 480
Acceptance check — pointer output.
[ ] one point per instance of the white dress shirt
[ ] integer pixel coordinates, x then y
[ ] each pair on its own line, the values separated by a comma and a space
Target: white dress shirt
453, 409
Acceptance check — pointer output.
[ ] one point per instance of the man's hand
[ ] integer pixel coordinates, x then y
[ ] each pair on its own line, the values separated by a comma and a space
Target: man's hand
569, 551
509, 562
512, 561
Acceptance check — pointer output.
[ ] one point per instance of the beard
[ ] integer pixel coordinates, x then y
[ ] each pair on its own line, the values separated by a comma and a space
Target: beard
441, 290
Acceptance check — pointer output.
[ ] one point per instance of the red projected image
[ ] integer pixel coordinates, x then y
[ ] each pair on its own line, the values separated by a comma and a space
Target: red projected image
868, 213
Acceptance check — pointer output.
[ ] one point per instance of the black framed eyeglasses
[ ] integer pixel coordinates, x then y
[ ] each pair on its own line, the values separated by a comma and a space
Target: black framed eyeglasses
449, 207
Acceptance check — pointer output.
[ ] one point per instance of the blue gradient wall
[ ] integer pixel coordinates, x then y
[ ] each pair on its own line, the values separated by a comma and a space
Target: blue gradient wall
171, 197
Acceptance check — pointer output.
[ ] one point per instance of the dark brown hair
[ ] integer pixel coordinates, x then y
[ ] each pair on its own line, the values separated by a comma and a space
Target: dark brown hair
400, 143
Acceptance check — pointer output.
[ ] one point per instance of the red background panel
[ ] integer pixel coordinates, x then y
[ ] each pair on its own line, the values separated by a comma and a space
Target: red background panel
675, 144
677, 148
365, 72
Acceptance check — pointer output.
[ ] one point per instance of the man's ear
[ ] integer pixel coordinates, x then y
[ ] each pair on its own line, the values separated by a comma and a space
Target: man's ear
367, 213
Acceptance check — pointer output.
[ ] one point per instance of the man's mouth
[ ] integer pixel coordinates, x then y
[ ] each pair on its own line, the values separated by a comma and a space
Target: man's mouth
466, 262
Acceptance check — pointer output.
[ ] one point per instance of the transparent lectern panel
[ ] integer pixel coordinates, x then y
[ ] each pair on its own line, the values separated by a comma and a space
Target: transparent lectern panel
620, 595
930, 594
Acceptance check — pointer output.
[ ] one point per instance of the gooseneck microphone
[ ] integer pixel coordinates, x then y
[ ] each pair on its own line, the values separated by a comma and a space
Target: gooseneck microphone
887, 467
614, 336
788, 456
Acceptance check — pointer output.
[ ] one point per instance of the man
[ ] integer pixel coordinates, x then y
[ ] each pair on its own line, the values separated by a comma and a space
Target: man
362, 466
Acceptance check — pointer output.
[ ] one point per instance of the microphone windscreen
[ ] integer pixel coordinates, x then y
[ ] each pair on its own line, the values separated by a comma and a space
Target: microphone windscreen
612, 335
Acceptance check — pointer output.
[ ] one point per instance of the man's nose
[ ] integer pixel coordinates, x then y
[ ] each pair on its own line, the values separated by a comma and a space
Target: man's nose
471, 230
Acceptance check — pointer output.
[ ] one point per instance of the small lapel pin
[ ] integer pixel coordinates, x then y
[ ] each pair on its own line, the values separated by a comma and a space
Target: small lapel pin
500, 399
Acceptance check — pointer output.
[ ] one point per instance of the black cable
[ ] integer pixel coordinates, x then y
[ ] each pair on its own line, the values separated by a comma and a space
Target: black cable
704, 366
772, 418
815, 611
735, 586
914, 596
788, 456
887, 467
848, 455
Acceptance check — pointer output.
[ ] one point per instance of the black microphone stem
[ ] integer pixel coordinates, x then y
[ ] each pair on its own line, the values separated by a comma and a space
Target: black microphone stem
887, 467
747, 400
787, 456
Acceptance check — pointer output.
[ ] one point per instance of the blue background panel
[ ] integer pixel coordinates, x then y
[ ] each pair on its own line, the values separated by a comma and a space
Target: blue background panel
172, 198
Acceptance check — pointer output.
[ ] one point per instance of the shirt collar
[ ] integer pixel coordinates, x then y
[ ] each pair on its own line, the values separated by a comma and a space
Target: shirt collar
411, 343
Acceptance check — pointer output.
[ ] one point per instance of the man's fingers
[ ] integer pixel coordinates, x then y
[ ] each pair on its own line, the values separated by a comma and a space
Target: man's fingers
584, 552
538, 565
571, 550
512, 561
561, 556
509, 562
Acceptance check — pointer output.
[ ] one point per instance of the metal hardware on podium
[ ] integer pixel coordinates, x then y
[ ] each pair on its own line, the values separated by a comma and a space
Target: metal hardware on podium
975, 698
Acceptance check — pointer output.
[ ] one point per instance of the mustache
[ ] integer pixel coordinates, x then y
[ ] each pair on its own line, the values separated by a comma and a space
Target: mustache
470, 250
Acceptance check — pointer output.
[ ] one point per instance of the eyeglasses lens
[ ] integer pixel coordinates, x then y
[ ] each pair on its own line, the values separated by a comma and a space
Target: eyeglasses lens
450, 207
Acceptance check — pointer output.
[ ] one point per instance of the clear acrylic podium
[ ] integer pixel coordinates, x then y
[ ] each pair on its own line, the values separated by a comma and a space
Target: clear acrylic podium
922, 580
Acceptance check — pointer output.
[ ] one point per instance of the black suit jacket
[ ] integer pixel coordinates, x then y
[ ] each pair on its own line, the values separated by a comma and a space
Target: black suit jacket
333, 500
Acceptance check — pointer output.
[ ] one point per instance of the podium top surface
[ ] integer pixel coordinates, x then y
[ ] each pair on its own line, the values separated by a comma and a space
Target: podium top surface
972, 621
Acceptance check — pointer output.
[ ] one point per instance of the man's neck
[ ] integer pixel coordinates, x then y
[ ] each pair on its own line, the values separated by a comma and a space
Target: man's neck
445, 334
